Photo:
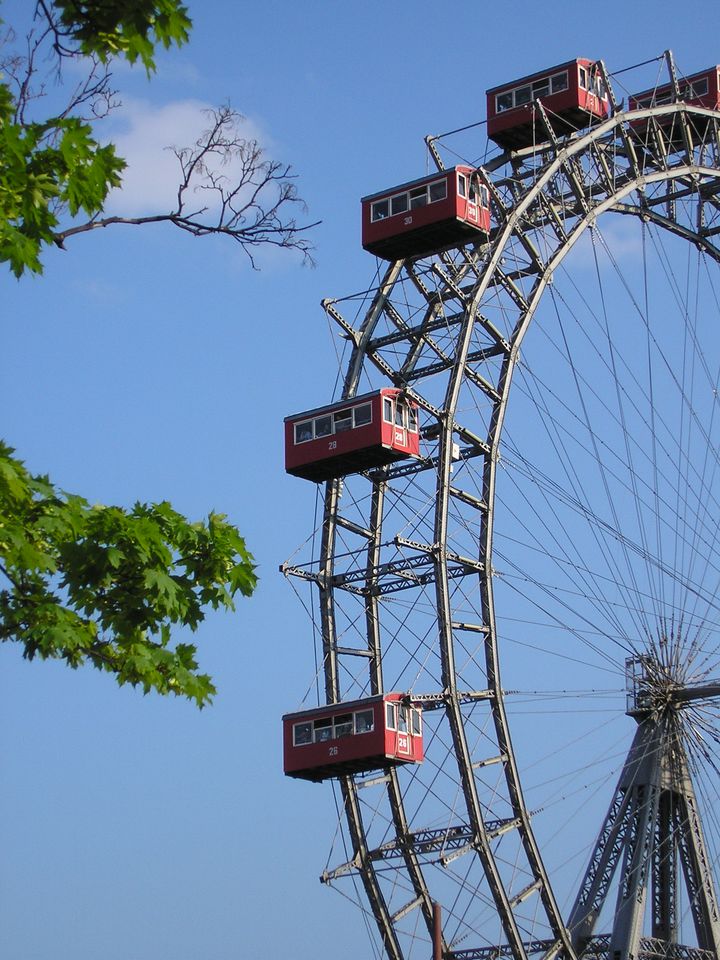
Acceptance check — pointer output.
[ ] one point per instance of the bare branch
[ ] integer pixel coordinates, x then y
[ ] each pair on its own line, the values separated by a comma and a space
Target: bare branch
226, 184
60, 36
34, 72
243, 195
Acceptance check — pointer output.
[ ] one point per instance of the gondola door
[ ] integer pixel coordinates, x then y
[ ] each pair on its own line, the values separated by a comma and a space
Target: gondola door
403, 730
401, 422
395, 413
473, 201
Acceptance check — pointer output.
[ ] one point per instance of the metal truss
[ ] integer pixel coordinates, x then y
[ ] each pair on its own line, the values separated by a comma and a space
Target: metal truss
448, 330
651, 828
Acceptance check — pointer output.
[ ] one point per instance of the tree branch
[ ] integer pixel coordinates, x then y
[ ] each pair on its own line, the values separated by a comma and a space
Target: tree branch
246, 196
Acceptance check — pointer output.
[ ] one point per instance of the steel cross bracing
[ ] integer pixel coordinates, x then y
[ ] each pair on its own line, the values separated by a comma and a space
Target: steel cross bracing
597, 948
448, 331
441, 845
651, 827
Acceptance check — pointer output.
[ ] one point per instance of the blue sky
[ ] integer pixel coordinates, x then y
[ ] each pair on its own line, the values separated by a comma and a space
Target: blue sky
146, 364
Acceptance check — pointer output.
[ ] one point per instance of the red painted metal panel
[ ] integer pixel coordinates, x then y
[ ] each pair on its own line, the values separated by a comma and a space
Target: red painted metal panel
410, 219
664, 94
420, 230
573, 83
311, 756
568, 109
350, 752
339, 452
698, 90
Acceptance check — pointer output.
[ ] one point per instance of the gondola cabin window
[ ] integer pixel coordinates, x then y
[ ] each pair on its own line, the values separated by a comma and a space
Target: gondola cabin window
327, 424
345, 738
528, 92
374, 430
700, 90
409, 200
426, 216
697, 90
333, 728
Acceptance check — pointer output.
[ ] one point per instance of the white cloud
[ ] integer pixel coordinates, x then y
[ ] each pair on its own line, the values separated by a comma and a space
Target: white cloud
144, 135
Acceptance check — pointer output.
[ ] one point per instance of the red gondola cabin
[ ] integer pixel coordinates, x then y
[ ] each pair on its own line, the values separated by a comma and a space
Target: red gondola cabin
700, 90
425, 216
573, 95
373, 430
346, 738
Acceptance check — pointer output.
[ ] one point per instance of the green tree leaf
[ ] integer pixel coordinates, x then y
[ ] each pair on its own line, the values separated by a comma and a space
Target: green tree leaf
126, 28
107, 586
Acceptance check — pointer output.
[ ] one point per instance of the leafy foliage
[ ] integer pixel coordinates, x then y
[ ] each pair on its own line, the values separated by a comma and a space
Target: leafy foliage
127, 28
53, 169
45, 166
103, 585
55, 164
251, 207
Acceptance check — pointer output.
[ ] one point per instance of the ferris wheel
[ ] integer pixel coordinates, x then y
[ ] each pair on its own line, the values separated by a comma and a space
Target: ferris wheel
534, 587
